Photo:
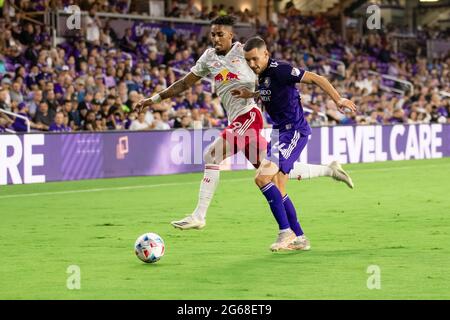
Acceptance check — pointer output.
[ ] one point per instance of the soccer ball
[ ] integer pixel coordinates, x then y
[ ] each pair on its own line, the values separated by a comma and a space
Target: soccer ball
149, 247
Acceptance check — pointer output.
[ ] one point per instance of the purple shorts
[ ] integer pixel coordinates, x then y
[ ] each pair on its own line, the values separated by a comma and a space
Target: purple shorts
285, 148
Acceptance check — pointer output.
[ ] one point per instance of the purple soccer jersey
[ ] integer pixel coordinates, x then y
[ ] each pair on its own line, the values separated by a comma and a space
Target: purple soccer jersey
281, 100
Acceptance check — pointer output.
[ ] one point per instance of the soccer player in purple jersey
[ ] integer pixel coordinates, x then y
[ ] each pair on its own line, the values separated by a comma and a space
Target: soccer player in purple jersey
281, 99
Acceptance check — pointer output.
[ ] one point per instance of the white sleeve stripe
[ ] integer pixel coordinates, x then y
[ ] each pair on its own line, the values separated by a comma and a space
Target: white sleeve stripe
304, 71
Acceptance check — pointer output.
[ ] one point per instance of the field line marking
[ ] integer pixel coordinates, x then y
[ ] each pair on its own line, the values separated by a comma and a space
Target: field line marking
143, 186
183, 183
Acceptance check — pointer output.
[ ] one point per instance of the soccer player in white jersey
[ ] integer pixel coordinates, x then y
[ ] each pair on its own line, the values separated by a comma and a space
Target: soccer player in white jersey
226, 63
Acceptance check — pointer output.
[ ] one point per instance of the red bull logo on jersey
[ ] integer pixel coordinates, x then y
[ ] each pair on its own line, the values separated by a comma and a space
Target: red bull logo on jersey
218, 78
232, 76
225, 75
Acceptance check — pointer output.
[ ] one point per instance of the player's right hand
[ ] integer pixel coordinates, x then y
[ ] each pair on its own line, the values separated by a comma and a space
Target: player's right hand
243, 93
142, 104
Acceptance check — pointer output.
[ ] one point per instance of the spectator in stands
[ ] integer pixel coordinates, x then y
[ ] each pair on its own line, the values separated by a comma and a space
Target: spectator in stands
85, 105
7, 121
6, 85
3, 100
50, 99
3, 124
44, 116
161, 121
123, 91
413, 117
90, 123
184, 122
314, 119
214, 12
27, 36
119, 122
100, 124
15, 92
95, 107
20, 124
169, 31
169, 57
437, 116
192, 10
11, 47
93, 26
397, 116
36, 100
73, 115
114, 68
140, 123
175, 10
127, 43
349, 118
58, 124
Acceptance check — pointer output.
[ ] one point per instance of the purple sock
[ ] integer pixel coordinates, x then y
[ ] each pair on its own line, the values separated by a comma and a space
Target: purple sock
273, 196
292, 216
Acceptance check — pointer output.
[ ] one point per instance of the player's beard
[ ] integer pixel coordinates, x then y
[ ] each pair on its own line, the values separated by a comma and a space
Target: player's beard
257, 70
221, 50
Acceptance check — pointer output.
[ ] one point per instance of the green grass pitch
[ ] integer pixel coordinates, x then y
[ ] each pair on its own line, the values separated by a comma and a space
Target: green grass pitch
397, 218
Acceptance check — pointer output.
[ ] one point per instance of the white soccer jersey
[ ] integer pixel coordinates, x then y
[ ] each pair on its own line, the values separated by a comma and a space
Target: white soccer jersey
229, 72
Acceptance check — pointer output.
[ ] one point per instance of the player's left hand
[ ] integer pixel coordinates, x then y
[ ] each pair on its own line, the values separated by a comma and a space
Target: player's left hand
243, 93
346, 104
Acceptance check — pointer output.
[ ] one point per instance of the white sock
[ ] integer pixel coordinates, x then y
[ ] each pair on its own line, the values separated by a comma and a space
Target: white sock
285, 230
207, 188
309, 171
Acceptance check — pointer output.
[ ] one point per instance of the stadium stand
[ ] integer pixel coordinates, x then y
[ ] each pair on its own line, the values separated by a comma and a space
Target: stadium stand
90, 80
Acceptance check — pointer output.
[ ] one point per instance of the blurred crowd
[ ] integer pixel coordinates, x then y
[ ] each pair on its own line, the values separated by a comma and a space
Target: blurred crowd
178, 9
190, 11
92, 81
310, 42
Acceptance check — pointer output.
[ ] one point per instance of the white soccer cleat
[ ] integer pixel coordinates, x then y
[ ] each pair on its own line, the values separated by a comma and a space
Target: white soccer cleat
283, 241
189, 223
300, 243
339, 174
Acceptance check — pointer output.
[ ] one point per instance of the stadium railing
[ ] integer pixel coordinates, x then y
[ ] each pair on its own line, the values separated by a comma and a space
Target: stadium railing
394, 84
444, 94
340, 69
27, 121
339, 66
308, 110
209, 80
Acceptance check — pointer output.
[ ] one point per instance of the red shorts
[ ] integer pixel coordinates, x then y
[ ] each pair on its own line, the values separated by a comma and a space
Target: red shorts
244, 134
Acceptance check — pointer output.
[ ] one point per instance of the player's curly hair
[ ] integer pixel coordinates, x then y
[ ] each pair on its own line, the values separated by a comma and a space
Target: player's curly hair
224, 21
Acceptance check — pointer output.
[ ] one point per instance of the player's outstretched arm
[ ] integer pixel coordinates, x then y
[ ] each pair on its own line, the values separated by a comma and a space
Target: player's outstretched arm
325, 85
176, 88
